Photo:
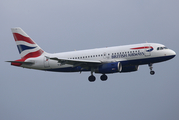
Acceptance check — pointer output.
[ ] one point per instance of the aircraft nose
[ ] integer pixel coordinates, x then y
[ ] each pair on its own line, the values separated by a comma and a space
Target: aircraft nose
172, 53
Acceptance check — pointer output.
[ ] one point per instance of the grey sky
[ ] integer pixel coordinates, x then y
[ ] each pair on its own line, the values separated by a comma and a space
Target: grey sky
67, 25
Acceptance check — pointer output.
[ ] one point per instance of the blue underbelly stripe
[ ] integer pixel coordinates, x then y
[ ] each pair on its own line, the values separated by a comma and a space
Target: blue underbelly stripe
125, 63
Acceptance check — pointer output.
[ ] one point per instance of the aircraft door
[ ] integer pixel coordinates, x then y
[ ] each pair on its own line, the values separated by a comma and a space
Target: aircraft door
46, 62
147, 50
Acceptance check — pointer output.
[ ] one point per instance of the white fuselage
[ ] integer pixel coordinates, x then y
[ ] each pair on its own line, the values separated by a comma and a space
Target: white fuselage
137, 56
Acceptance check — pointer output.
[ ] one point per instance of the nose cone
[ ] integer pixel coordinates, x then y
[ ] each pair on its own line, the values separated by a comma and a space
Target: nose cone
172, 53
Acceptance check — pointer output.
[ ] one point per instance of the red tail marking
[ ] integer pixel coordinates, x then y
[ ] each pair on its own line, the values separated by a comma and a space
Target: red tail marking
34, 54
19, 37
18, 64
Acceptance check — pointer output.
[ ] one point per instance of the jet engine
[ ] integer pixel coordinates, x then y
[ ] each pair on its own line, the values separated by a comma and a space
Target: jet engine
114, 67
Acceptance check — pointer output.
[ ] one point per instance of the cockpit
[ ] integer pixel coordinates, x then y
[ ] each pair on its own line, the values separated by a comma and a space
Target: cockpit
161, 48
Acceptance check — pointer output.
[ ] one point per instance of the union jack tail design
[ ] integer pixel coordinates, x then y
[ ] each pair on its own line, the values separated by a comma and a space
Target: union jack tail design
26, 46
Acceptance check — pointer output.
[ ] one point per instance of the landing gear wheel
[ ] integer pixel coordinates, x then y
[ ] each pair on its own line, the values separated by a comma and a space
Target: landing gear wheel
152, 72
104, 77
92, 78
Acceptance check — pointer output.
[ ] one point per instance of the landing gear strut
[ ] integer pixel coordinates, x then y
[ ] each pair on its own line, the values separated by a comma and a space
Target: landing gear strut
92, 78
104, 77
151, 71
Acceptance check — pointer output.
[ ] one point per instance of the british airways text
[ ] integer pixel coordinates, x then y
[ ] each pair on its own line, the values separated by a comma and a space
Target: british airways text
127, 55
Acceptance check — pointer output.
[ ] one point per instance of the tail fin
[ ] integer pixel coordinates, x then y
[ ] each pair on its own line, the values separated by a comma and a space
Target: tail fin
26, 46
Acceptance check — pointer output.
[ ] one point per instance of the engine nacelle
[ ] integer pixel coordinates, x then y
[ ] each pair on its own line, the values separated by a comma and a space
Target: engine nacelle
129, 68
114, 67
109, 68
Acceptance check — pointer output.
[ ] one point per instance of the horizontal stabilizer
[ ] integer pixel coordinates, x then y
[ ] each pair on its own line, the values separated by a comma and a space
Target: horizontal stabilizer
19, 63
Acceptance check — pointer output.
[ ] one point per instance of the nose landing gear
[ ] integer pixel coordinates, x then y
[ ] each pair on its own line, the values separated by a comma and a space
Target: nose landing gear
151, 71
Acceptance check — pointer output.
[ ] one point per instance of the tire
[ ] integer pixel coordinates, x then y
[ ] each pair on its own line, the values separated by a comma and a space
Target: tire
152, 72
92, 78
104, 77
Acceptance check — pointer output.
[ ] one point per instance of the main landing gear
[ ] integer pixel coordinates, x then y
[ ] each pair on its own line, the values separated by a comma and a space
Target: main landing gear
151, 71
92, 78
104, 77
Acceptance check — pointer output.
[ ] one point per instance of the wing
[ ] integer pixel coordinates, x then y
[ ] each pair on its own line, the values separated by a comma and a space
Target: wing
76, 62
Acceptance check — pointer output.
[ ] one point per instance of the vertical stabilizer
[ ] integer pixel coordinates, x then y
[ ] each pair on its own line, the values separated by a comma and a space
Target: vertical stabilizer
26, 46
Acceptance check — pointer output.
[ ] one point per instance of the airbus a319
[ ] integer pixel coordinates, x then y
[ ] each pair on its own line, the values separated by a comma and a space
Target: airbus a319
118, 59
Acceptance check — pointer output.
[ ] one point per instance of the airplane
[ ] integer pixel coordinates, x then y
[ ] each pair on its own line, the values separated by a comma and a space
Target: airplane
107, 60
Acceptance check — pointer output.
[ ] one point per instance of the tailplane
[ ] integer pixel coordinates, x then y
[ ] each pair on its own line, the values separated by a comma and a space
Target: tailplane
26, 46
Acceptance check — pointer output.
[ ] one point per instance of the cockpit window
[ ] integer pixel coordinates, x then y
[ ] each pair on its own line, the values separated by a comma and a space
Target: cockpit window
161, 48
